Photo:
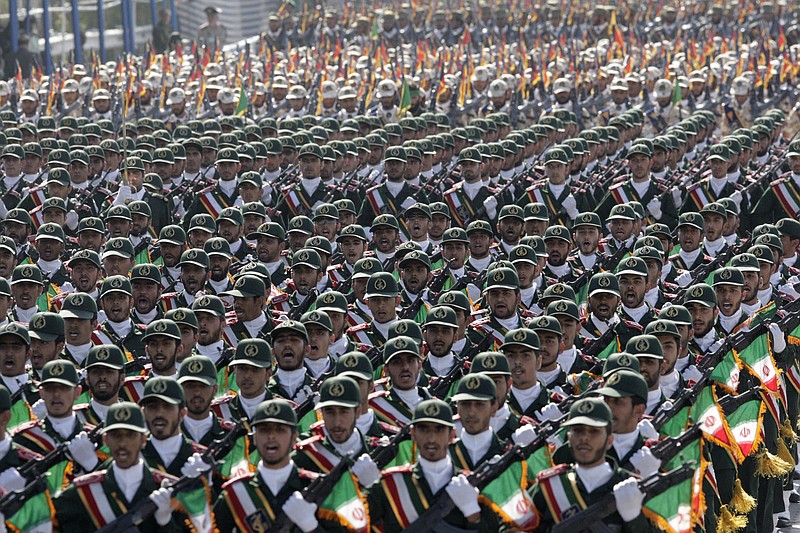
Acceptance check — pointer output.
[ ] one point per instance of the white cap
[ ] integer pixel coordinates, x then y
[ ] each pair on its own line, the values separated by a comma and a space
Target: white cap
29, 94
329, 89
101, 94
481, 73
259, 88
618, 84
176, 96
279, 82
562, 85
663, 88
497, 88
386, 88
212, 69
297, 92
653, 73
347, 92
3, 88
226, 96
740, 86
70, 86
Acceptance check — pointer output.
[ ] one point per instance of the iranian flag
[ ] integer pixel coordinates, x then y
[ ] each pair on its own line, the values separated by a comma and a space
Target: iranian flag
676, 424
34, 517
507, 496
195, 503
345, 505
726, 373
745, 423
671, 510
758, 358
712, 422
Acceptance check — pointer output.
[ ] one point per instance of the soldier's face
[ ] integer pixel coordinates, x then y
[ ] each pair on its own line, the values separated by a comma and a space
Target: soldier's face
326, 227
12, 165
439, 339
5, 305
104, 383
118, 227
703, 318
289, 350
476, 414
198, 398
18, 232
383, 308
794, 161
689, 238
13, 355
163, 419
209, 328
524, 364
432, 440
510, 228
188, 340
274, 443
456, 253
503, 303
569, 329
352, 248
557, 251
7, 263
384, 239
650, 368
556, 172
603, 305
624, 415
25, 294
632, 288
621, 229
403, 371
589, 444
146, 294
729, 298
251, 380
669, 345
117, 306
639, 165
340, 422
31, 164
248, 308
319, 339
193, 159
713, 226
305, 278
125, 446
58, 398
268, 249
163, 353
587, 237
170, 253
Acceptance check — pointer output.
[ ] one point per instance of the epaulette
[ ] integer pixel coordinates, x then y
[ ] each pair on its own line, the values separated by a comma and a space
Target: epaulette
223, 399
307, 442
586, 358
139, 377
169, 295
372, 188
634, 325
778, 181
526, 313
141, 327
550, 472
208, 189
198, 448
30, 424
528, 421
360, 327
240, 476
160, 476
280, 298
80, 406
480, 321
378, 394
302, 473
88, 479
226, 424
402, 469
27, 455
389, 428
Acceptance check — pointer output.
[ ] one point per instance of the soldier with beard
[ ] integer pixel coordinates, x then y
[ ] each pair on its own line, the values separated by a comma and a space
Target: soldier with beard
210, 313
105, 366
270, 243
250, 305
46, 331
116, 301
193, 276
146, 290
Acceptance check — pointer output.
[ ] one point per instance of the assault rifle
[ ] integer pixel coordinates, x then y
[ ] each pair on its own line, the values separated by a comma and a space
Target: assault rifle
308, 404
296, 312
145, 507
316, 492
606, 264
383, 455
13, 501
656, 484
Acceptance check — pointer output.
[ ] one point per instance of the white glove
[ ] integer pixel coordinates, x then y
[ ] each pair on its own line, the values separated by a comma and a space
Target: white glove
163, 499
464, 495
82, 451
11, 480
737, 198
304, 394
778, 338
647, 430
72, 220
692, 373
645, 462
524, 435
654, 207
366, 470
570, 206
39, 409
629, 499
677, 195
123, 194
549, 412
684, 279
195, 466
491, 206
301, 512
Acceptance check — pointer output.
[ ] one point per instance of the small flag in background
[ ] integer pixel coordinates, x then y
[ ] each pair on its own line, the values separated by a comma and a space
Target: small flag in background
241, 107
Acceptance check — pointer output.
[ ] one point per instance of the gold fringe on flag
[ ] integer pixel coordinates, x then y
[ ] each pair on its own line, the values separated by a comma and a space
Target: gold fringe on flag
741, 502
785, 454
728, 522
770, 465
787, 432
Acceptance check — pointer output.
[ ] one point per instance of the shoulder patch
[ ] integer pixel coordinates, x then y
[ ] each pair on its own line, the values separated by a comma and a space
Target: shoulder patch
221, 400
306, 474
402, 469
361, 327
88, 479
241, 476
550, 472
307, 442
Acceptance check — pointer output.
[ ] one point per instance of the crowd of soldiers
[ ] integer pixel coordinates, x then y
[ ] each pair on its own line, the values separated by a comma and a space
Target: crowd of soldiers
427, 272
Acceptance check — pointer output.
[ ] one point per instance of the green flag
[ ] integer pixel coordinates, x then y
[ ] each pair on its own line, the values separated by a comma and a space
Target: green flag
345, 505
707, 413
241, 106
676, 424
745, 425
507, 496
757, 356
676, 95
671, 510
34, 516
405, 99
726, 373
195, 503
